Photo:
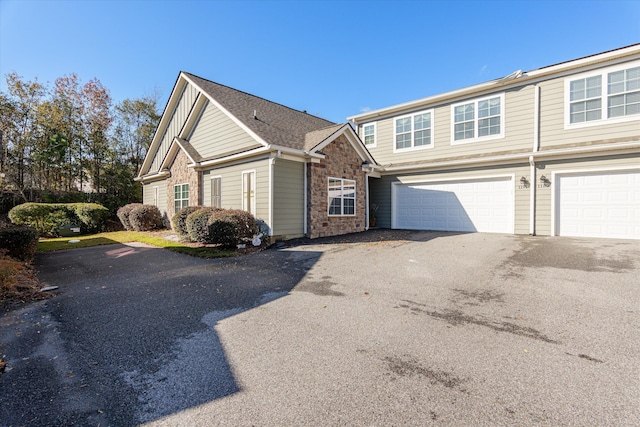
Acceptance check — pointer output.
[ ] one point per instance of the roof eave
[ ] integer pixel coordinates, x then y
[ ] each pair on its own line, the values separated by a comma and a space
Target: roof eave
502, 83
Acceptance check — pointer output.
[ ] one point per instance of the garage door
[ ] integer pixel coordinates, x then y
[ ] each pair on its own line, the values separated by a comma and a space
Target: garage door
485, 205
602, 204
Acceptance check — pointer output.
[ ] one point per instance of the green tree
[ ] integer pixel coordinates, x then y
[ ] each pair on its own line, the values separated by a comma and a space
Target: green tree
20, 129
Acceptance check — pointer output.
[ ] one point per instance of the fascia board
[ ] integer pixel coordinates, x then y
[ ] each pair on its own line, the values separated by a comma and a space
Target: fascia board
227, 113
256, 151
353, 139
152, 177
164, 119
194, 115
179, 141
530, 77
538, 155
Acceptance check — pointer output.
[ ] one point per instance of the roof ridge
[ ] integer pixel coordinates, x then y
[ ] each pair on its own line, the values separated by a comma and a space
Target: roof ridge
259, 97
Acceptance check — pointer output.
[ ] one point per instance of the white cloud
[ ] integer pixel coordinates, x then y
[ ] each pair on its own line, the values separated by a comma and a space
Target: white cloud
365, 109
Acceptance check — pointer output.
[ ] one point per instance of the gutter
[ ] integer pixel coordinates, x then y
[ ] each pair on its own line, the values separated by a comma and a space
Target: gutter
512, 80
518, 157
162, 174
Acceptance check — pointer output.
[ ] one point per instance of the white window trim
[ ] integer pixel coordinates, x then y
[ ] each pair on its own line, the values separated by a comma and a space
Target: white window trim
375, 135
603, 96
211, 178
174, 195
255, 191
413, 147
355, 188
156, 196
475, 101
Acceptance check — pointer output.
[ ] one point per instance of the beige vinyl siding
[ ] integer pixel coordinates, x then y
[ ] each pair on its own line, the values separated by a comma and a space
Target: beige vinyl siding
178, 118
232, 186
215, 135
380, 190
552, 126
288, 198
545, 195
518, 120
148, 194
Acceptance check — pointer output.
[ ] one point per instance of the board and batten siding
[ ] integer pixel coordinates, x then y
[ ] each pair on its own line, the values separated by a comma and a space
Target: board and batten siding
380, 190
288, 198
518, 132
215, 135
231, 186
552, 116
178, 118
545, 195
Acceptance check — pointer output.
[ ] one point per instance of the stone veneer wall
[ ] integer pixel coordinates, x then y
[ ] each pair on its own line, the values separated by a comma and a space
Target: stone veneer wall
181, 174
341, 162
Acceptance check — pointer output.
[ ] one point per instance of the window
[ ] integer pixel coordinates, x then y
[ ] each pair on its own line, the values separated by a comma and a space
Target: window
216, 192
478, 120
610, 95
369, 134
413, 131
180, 196
342, 197
249, 191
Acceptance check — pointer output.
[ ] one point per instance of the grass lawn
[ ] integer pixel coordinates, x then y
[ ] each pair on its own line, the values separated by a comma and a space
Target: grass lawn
60, 243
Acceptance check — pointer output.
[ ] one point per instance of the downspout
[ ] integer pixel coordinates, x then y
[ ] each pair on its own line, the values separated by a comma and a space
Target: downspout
532, 163
532, 196
366, 186
305, 207
272, 160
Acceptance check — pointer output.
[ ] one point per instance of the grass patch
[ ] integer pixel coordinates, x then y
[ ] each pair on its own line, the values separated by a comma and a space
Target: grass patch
61, 243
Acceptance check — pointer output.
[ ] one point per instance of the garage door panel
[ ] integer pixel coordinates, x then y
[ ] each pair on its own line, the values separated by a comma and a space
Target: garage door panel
465, 205
599, 204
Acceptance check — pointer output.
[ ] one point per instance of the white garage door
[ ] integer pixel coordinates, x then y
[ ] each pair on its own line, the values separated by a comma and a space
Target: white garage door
485, 205
602, 204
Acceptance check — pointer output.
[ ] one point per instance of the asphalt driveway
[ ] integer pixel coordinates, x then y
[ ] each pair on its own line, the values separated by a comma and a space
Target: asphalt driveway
384, 328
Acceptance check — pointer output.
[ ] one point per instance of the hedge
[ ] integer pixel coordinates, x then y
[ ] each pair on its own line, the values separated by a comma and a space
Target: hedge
228, 227
123, 215
145, 218
46, 218
179, 220
19, 241
197, 224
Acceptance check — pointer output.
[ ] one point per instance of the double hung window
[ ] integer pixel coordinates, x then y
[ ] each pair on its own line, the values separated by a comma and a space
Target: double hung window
478, 120
610, 95
180, 196
369, 134
413, 131
342, 197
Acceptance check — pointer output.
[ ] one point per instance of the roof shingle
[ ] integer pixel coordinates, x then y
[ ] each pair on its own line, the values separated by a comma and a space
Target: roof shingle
274, 123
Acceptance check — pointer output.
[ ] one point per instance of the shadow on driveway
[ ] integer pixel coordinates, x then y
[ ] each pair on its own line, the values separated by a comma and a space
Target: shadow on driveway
131, 337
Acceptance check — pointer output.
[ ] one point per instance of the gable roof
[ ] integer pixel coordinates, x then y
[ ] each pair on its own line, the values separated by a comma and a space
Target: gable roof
274, 123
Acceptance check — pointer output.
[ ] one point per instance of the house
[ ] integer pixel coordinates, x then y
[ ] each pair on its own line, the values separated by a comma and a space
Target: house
551, 151
218, 146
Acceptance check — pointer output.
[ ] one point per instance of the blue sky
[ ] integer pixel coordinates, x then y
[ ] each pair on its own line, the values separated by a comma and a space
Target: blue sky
331, 58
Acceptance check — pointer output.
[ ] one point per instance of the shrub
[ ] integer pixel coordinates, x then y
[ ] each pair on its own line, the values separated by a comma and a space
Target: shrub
123, 215
19, 241
93, 216
145, 218
47, 217
197, 224
229, 227
179, 220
